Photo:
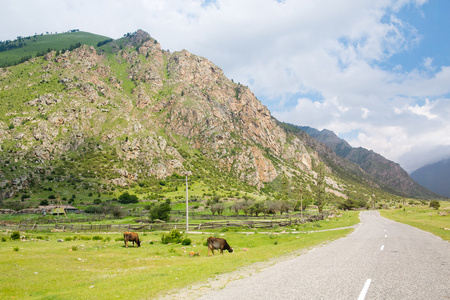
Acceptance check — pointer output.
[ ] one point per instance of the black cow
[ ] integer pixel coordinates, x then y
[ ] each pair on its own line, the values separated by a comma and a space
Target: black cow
218, 244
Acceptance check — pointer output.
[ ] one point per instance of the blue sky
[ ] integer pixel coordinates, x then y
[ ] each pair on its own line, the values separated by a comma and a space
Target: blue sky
377, 73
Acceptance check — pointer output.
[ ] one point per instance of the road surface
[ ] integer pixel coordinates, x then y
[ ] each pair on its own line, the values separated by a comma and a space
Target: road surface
381, 259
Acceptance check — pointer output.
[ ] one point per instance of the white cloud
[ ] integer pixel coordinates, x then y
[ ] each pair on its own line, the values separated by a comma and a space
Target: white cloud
423, 110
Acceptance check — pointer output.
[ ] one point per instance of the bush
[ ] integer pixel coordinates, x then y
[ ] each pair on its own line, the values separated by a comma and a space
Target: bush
97, 238
15, 235
435, 204
3, 239
174, 236
43, 203
186, 242
93, 210
127, 198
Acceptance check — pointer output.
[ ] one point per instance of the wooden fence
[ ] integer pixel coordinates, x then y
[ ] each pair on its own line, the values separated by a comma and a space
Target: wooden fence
145, 226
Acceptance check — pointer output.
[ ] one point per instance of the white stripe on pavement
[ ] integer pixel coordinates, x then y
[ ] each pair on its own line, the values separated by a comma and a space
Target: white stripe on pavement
363, 293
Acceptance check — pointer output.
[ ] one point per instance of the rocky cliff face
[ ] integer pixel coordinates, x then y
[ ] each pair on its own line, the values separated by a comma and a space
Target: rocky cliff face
129, 111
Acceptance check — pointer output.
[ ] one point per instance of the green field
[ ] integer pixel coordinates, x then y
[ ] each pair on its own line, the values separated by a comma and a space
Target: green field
98, 266
424, 217
39, 43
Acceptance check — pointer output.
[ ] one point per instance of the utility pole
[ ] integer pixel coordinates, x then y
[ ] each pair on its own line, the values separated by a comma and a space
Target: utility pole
187, 202
301, 203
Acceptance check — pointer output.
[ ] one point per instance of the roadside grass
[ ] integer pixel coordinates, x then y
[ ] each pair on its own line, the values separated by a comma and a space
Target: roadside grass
424, 218
84, 267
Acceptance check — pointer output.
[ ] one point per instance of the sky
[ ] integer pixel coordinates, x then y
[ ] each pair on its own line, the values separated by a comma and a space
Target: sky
377, 73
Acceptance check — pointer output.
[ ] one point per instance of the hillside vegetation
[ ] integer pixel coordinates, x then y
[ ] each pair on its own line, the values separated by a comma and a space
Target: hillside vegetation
25, 48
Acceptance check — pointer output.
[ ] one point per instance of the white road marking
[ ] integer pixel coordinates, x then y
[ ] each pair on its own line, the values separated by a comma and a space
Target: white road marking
363, 293
382, 247
385, 235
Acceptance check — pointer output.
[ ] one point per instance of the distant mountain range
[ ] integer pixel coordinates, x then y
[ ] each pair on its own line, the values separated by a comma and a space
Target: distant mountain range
387, 173
435, 177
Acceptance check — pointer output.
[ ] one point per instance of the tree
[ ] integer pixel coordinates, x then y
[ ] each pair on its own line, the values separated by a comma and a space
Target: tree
237, 206
257, 208
127, 198
435, 204
217, 208
160, 211
320, 202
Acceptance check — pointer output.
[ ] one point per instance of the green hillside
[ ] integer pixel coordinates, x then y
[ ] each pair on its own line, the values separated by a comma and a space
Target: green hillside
37, 45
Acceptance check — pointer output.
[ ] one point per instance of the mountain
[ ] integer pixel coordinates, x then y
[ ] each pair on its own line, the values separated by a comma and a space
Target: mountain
127, 114
435, 177
24, 48
387, 173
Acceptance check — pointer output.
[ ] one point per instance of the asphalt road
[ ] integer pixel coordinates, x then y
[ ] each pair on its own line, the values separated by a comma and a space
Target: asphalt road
381, 259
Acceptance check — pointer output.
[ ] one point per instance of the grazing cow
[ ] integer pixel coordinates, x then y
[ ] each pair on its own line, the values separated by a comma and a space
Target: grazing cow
131, 237
218, 244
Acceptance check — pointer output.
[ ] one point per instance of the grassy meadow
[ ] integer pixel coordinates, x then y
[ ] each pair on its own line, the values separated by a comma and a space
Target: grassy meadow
38, 43
98, 266
424, 218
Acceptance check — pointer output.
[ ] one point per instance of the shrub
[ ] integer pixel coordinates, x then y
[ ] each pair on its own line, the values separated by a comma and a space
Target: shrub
16, 248
435, 204
93, 210
3, 239
119, 239
74, 248
174, 236
127, 198
160, 211
97, 201
97, 238
15, 235
43, 203
186, 242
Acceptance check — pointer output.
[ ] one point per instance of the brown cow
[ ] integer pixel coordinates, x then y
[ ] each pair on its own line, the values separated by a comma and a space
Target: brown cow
131, 237
218, 244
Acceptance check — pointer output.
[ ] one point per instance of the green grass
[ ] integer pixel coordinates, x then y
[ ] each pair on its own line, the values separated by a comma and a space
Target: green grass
424, 218
40, 43
44, 268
